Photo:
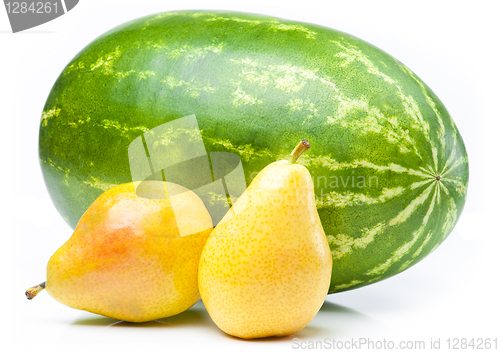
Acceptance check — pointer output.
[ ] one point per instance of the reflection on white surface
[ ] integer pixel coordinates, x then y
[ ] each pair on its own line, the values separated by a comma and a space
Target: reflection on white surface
333, 321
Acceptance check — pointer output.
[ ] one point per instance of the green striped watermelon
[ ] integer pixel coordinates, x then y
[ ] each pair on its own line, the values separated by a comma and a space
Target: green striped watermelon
389, 166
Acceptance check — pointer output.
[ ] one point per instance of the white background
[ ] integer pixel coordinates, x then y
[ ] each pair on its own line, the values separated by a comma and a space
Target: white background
452, 45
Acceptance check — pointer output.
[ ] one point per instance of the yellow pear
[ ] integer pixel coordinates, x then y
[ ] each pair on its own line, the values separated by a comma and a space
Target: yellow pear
265, 269
127, 258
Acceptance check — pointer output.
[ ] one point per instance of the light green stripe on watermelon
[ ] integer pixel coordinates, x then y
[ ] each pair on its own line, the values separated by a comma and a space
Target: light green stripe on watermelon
380, 137
403, 249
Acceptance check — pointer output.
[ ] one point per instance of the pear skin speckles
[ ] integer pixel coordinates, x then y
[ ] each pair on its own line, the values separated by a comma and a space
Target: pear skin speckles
265, 269
126, 259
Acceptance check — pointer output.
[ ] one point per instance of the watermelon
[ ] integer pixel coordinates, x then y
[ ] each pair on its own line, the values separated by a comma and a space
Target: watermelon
389, 166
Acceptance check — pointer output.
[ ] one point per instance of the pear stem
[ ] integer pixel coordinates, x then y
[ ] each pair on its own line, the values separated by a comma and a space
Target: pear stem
33, 291
301, 148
